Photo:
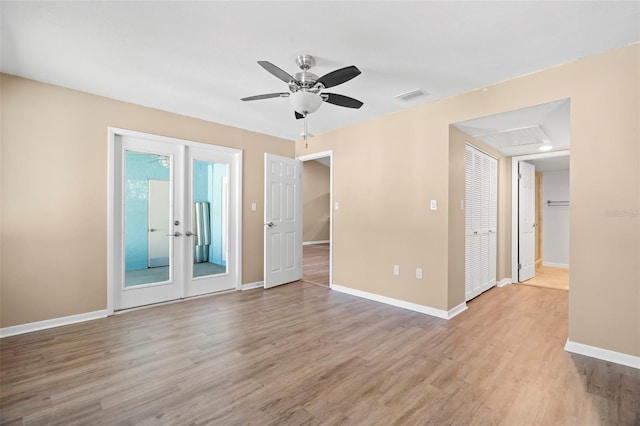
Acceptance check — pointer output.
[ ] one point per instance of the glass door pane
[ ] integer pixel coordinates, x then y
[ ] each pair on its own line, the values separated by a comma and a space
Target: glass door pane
210, 217
147, 218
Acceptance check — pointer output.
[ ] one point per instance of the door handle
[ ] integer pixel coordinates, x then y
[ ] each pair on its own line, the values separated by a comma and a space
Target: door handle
175, 234
269, 225
153, 229
189, 233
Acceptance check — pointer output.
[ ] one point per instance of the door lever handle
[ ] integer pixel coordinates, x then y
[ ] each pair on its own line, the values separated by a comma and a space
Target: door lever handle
189, 233
269, 224
175, 234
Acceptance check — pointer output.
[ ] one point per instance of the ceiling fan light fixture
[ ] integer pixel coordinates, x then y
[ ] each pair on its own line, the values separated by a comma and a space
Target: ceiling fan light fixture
305, 102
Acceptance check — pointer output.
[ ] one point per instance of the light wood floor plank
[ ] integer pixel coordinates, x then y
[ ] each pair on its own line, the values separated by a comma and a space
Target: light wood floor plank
550, 277
302, 354
316, 264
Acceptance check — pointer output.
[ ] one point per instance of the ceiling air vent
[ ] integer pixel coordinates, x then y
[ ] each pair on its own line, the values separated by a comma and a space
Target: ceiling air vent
410, 95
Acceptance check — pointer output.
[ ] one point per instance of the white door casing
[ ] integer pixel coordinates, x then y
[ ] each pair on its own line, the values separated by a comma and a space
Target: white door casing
526, 221
282, 220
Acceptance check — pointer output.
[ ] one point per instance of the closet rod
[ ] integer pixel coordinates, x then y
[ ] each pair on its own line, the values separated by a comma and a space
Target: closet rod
557, 203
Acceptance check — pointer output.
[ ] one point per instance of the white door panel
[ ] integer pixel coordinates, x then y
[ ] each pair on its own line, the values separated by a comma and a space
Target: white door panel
137, 283
526, 221
213, 268
283, 220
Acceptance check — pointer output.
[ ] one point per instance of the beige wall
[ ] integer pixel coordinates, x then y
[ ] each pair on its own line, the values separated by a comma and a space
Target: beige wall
54, 193
316, 200
384, 218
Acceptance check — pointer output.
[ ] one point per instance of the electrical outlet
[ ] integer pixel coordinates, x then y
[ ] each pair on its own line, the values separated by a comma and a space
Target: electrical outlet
396, 270
419, 273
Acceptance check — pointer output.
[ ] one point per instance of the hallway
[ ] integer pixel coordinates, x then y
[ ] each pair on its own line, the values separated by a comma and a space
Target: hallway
316, 264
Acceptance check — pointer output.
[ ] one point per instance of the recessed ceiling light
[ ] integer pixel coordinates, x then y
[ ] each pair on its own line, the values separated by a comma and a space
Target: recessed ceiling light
545, 148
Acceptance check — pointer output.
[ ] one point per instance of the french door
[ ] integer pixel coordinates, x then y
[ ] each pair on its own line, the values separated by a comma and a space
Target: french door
175, 225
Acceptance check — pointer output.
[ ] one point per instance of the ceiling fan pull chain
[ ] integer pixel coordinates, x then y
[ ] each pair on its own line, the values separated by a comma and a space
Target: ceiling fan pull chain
306, 144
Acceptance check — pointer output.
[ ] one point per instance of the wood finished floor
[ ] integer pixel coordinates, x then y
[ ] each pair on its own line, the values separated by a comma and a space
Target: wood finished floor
303, 354
550, 277
316, 264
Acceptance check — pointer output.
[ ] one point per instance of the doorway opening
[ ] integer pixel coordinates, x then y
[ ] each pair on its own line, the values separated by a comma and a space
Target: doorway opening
551, 220
317, 218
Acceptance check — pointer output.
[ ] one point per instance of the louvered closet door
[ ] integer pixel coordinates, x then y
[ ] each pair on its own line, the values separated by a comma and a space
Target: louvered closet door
480, 222
469, 271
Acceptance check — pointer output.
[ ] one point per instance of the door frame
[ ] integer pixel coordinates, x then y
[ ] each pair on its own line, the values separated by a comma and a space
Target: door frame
315, 156
114, 207
514, 203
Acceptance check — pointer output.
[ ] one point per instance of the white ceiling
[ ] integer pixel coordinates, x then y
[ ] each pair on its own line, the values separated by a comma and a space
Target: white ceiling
199, 58
551, 118
551, 164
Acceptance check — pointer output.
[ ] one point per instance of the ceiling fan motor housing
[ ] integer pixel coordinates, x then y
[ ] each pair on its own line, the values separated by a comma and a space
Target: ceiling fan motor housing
305, 80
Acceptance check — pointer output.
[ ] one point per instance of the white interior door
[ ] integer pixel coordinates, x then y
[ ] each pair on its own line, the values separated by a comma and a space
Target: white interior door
282, 220
159, 220
526, 221
211, 223
141, 277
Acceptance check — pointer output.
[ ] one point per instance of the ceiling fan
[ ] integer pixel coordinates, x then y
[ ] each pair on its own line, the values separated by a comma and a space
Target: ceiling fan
306, 89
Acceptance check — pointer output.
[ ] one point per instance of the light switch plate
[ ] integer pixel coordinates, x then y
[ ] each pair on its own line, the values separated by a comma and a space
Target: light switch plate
253, 206
434, 205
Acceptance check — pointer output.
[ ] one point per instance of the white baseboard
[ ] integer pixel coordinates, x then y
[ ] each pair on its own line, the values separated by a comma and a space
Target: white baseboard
55, 322
457, 310
402, 303
556, 265
603, 354
252, 286
504, 282
308, 243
